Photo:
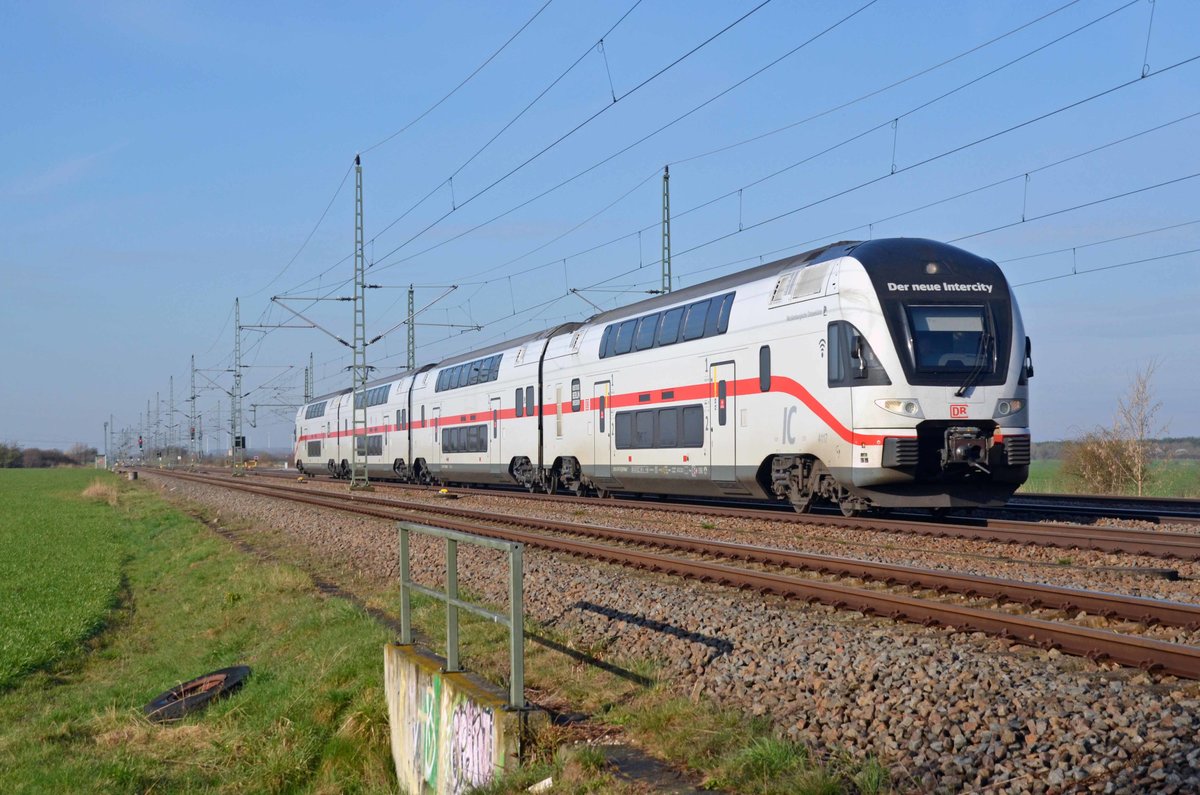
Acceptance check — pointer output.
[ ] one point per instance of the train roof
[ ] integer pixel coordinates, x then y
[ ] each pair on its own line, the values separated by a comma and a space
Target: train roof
723, 283
878, 257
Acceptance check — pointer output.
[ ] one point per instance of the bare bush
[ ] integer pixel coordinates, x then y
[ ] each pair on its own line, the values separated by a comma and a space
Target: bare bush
1119, 459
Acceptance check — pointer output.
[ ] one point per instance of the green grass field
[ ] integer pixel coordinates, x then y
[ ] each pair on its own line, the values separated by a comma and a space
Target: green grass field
60, 569
1172, 479
174, 601
122, 596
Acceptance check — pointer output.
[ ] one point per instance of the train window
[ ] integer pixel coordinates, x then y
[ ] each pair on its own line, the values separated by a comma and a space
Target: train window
624, 430
722, 399
764, 368
852, 361
603, 405
678, 426
723, 315
647, 329
529, 405
837, 368
643, 429
401, 419
713, 319
473, 373
520, 403
693, 325
576, 397
624, 335
693, 427
950, 339
605, 341
668, 331
668, 428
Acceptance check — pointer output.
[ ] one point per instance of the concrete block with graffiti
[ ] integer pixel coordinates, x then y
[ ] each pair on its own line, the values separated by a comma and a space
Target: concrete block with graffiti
450, 731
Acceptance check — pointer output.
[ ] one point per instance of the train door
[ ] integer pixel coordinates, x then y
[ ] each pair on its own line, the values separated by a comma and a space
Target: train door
602, 437
723, 423
494, 458
436, 448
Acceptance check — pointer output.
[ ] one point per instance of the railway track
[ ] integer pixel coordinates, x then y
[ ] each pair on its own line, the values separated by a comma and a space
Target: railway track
645, 550
1182, 546
1157, 510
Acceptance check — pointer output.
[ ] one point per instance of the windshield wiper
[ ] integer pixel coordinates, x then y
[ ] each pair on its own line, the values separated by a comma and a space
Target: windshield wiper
985, 345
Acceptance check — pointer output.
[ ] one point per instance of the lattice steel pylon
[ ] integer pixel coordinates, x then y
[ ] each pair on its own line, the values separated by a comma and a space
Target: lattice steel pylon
308, 380
192, 441
358, 458
412, 330
666, 231
237, 441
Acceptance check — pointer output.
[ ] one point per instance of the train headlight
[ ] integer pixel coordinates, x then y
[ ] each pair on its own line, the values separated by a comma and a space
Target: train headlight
905, 407
1007, 407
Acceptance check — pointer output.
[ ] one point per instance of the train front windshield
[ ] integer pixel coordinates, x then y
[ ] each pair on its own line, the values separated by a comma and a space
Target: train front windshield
950, 339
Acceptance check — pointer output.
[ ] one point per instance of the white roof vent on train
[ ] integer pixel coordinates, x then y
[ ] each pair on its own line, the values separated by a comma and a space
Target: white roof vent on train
799, 283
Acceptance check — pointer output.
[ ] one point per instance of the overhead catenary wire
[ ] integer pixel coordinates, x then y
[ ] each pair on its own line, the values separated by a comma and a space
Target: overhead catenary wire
953, 197
450, 180
832, 148
464, 81
939, 156
1127, 264
874, 92
1101, 242
615, 154
674, 121
743, 227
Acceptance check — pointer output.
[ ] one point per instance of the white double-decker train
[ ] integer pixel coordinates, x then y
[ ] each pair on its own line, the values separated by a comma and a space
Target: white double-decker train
885, 373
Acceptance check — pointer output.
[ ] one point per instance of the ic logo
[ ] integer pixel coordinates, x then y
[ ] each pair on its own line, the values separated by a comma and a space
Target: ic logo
958, 411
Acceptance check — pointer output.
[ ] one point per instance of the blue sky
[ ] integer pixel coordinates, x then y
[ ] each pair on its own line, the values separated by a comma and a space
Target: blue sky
161, 159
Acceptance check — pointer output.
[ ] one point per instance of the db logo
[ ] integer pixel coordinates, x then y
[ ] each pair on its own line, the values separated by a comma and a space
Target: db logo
958, 411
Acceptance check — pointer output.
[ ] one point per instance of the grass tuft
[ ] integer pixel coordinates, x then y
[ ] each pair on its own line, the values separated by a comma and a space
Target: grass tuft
872, 777
763, 761
103, 491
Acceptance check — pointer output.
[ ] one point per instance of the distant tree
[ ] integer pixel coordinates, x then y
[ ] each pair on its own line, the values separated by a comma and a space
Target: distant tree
35, 458
10, 455
82, 454
1119, 458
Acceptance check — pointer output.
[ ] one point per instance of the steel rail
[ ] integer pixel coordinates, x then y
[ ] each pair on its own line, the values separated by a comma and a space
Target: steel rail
1142, 652
1133, 608
1182, 546
1152, 515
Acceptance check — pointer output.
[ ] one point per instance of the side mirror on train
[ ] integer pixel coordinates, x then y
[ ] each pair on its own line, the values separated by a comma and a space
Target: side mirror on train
1028, 358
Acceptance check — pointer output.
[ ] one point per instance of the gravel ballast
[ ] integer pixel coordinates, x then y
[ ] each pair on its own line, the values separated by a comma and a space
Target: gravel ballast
945, 711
